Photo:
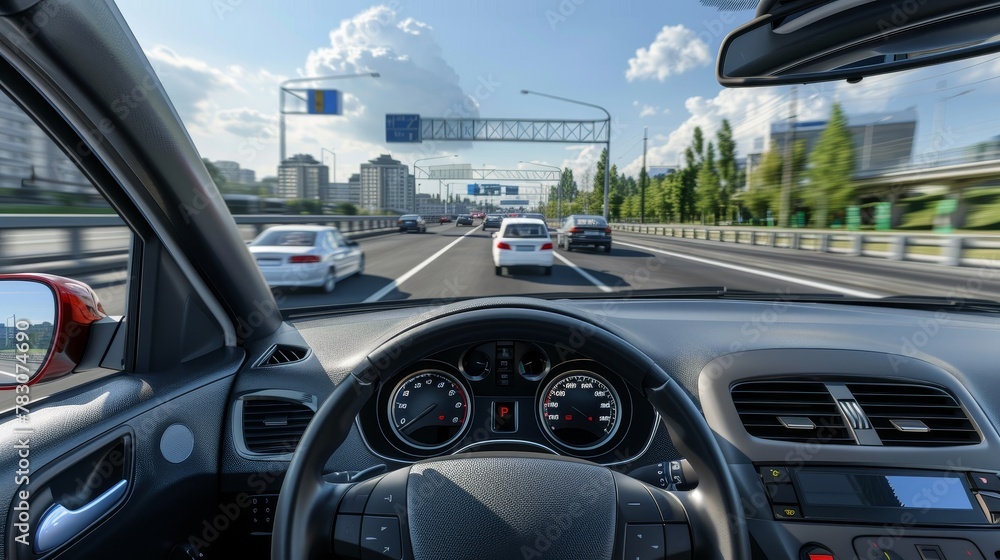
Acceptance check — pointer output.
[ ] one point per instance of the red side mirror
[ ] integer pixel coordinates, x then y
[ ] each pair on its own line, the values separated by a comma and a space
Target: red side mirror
45, 328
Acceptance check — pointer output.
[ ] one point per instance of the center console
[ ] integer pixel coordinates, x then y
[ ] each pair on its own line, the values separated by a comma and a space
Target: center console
886, 514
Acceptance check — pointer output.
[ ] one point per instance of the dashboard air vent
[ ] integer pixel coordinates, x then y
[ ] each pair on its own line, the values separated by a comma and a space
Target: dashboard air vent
790, 410
273, 426
905, 414
284, 354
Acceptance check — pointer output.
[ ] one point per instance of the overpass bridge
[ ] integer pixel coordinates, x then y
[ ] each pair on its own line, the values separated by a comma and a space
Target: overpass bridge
954, 170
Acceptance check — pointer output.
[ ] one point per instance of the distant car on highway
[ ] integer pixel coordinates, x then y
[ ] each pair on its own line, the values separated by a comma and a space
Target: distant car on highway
492, 221
412, 222
478, 215
522, 242
464, 220
581, 230
533, 215
306, 256
444, 220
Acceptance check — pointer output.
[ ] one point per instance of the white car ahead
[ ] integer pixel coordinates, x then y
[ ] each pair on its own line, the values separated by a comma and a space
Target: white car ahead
306, 256
522, 242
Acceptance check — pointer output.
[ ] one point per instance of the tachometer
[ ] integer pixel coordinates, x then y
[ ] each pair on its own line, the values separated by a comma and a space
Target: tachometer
429, 409
580, 410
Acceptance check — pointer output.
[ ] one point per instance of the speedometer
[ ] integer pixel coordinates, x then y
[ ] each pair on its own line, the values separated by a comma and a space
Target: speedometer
429, 409
580, 410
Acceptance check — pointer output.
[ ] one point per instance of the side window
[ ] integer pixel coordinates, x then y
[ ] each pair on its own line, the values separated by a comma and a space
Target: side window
53, 221
338, 239
332, 240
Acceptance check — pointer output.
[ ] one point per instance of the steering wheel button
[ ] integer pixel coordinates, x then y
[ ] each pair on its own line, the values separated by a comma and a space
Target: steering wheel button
389, 495
380, 538
644, 542
347, 536
635, 504
357, 497
678, 541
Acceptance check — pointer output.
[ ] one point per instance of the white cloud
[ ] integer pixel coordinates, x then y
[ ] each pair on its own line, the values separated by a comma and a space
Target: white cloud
648, 111
230, 111
415, 77
675, 50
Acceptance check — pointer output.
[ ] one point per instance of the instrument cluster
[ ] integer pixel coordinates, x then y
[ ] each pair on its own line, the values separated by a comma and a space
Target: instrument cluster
508, 395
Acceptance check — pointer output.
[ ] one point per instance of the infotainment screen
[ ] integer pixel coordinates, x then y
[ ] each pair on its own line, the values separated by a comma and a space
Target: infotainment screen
879, 496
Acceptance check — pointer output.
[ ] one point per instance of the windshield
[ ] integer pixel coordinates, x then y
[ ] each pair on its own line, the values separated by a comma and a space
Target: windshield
389, 120
286, 238
526, 230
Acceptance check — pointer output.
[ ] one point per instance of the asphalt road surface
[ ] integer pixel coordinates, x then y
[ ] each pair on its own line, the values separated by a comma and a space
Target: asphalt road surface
450, 262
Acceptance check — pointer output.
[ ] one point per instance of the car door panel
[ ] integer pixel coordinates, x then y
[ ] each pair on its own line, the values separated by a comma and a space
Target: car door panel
80, 444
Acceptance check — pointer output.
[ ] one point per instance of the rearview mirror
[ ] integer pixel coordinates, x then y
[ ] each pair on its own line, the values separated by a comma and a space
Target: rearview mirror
46, 326
805, 42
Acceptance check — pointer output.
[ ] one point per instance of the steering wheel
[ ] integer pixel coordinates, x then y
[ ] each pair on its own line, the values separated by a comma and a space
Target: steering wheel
506, 505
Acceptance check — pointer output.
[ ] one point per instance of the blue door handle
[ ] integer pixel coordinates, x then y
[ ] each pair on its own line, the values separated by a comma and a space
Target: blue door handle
58, 525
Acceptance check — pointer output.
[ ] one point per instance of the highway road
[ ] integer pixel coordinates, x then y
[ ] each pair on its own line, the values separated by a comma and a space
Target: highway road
450, 262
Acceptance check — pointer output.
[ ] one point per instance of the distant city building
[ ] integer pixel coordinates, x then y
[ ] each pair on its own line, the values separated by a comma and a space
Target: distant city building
301, 176
880, 140
428, 205
234, 173
30, 160
341, 192
386, 184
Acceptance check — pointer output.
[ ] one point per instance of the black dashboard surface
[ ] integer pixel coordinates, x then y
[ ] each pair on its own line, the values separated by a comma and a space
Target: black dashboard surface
708, 347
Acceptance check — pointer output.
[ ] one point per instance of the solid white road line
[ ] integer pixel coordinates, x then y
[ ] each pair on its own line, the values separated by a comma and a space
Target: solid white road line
586, 275
409, 273
757, 272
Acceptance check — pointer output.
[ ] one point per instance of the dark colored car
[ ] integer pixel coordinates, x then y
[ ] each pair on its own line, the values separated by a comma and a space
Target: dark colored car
581, 230
534, 215
412, 222
492, 221
464, 220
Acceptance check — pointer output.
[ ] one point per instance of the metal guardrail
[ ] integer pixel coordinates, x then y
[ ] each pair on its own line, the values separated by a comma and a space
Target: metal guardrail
947, 249
72, 248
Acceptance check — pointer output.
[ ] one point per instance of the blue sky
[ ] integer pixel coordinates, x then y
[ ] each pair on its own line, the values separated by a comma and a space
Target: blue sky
221, 62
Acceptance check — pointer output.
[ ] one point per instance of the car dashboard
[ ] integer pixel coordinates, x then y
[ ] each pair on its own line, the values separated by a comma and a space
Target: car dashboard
852, 432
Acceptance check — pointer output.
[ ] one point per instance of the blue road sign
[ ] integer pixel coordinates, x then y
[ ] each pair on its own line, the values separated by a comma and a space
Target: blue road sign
510, 191
324, 102
473, 190
402, 128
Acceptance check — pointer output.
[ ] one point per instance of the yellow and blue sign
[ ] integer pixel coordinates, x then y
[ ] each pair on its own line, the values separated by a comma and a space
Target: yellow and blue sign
324, 102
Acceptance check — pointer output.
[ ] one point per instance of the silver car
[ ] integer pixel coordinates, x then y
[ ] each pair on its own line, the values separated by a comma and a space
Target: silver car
306, 256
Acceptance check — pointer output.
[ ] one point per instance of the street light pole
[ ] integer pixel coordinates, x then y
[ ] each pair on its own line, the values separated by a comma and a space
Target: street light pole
607, 164
559, 189
283, 89
334, 154
415, 168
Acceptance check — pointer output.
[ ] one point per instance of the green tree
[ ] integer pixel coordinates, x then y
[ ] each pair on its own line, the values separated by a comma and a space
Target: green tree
644, 192
345, 209
831, 170
217, 177
309, 206
709, 187
683, 196
766, 182
698, 144
729, 174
